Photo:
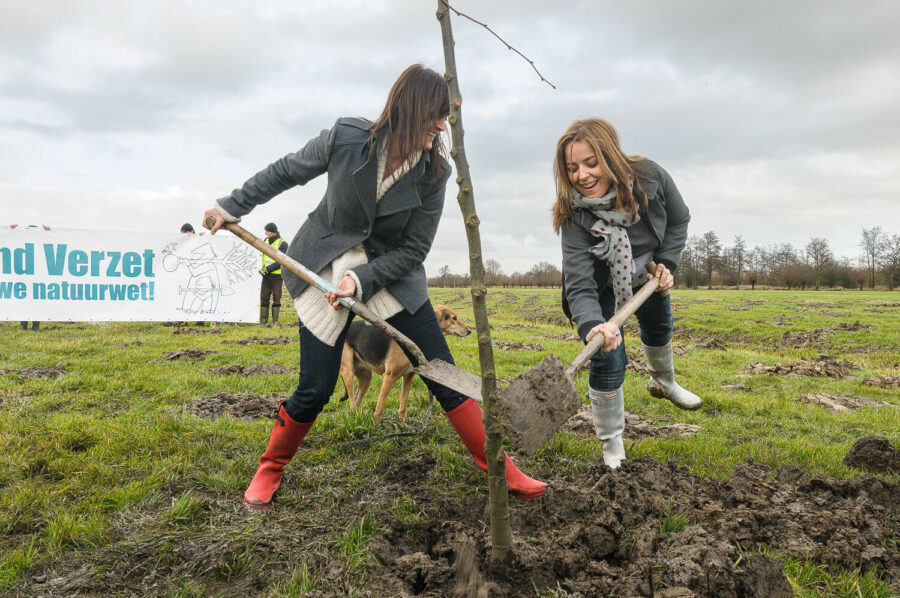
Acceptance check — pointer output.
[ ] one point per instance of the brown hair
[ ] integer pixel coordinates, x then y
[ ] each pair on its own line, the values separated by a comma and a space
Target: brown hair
418, 97
604, 140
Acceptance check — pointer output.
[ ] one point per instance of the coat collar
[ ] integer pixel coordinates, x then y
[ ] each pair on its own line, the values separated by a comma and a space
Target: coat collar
401, 196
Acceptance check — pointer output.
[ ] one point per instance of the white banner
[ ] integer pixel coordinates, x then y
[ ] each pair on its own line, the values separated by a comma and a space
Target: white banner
90, 275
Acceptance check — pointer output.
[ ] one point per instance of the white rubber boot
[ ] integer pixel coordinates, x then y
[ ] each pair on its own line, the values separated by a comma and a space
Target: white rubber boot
608, 409
662, 385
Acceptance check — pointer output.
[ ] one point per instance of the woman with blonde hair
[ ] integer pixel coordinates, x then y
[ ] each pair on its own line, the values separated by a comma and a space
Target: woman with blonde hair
369, 235
615, 214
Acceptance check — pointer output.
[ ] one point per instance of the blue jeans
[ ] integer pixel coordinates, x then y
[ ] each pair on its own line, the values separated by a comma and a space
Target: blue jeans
655, 319
320, 364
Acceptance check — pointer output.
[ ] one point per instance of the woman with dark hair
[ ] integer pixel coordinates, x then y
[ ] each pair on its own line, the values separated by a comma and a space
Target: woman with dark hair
616, 213
369, 235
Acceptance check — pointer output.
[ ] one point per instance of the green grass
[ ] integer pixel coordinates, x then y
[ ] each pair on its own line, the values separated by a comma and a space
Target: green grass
102, 464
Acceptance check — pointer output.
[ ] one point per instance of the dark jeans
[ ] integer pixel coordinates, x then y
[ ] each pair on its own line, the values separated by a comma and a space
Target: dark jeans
655, 319
320, 364
270, 287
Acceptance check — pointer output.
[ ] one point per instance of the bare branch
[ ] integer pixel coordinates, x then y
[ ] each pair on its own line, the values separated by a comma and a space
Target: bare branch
505, 43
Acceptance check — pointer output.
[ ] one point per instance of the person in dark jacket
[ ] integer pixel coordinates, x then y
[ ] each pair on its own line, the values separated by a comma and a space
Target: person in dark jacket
271, 276
615, 214
369, 235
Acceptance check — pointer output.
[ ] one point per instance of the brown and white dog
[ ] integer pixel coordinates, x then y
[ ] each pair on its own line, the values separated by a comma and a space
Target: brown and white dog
368, 350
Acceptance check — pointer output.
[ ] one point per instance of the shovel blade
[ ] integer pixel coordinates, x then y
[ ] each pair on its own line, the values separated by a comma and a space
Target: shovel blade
452, 377
535, 405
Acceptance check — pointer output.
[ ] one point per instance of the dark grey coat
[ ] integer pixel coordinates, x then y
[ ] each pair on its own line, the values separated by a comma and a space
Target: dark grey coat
664, 225
397, 232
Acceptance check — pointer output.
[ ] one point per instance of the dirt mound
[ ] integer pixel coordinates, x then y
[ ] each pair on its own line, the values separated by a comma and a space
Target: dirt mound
715, 344
137, 343
883, 381
185, 354
197, 331
512, 346
841, 403
873, 453
638, 365
512, 326
650, 528
737, 308
852, 327
635, 427
267, 340
826, 366
249, 406
735, 387
37, 372
257, 369
803, 339
568, 336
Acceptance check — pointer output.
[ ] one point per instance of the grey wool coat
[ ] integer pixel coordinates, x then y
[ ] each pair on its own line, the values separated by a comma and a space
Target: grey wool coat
662, 230
397, 232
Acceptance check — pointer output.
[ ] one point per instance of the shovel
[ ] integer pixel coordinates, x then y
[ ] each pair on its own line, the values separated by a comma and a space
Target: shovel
539, 401
437, 370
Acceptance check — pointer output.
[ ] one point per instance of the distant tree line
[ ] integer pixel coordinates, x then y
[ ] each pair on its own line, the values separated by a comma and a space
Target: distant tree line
706, 262
542, 274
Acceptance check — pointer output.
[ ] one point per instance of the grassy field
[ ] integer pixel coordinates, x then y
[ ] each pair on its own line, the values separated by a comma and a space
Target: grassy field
104, 476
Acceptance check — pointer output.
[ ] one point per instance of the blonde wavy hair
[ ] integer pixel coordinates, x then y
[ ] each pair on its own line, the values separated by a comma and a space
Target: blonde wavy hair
603, 139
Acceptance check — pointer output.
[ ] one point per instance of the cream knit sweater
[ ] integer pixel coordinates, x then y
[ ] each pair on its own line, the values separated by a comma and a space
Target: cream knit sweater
313, 310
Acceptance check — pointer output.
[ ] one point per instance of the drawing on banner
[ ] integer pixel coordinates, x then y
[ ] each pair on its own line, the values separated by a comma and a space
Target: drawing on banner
207, 276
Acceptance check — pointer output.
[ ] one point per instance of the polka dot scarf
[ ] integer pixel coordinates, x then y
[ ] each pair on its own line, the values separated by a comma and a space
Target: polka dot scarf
613, 246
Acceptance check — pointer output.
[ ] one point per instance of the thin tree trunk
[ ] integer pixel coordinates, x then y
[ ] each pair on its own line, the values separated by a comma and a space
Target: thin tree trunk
501, 534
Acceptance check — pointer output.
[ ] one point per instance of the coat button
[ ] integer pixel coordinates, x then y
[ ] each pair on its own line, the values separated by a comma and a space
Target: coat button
371, 252
365, 231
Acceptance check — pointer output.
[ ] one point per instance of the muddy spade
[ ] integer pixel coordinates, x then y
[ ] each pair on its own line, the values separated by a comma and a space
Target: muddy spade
538, 402
439, 371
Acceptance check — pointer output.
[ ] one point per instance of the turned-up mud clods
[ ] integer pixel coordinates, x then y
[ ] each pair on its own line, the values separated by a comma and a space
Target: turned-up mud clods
38, 372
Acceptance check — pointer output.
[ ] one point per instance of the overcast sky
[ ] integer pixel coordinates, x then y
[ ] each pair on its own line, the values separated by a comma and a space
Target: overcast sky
779, 121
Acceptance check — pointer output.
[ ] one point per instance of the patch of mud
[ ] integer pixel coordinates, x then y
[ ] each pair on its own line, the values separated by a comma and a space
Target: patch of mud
785, 320
851, 327
826, 367
812, 306
873, 453
838, 403
512, 326
803, 339
249, 406
598, 534
835, 314
737, 308
137, 343
883, 381
568, 336
184, 354
735, 387
714, 344
266, 340
512, 346
257, 369
547, 316
637, 365
197, 331
39, 373
635, 427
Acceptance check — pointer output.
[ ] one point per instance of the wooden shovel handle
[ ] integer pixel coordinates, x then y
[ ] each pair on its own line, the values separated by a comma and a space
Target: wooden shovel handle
323, 285
619, 319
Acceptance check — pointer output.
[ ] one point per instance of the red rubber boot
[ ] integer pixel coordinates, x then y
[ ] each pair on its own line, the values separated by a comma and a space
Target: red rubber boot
286, 437
467, 420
